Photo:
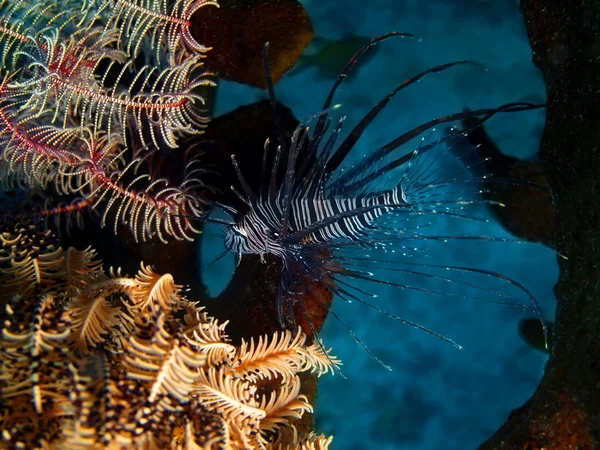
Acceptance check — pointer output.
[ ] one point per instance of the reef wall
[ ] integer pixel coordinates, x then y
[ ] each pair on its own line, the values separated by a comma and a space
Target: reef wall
565, 410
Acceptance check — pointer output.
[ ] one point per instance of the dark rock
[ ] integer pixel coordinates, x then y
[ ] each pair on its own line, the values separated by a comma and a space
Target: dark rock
238, 29
564, 412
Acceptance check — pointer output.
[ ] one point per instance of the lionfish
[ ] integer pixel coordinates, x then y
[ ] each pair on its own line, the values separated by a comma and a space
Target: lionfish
343, 228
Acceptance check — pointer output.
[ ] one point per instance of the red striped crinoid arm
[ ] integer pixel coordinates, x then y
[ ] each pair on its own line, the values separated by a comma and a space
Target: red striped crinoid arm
155, 21
80, 111
38, 155
72, 161
159, 104
147, 205
12, 37
34, 155
104, 180
23, 22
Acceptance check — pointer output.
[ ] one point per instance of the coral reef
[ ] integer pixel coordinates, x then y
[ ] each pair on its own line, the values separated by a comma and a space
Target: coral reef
95, 360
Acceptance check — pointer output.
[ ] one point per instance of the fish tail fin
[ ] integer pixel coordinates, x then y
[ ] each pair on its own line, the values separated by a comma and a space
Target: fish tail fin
441, 179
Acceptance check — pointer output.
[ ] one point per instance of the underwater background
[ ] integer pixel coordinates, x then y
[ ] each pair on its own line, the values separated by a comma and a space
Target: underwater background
436, 396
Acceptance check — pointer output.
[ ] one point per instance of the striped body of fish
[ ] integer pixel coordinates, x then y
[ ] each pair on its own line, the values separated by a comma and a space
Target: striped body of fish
256, 232
339, 227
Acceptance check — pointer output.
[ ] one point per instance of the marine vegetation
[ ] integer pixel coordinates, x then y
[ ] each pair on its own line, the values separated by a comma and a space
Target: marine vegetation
95, 360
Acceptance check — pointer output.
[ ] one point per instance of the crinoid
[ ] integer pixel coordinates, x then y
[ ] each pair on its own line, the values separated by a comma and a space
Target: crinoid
89, 93
90, 360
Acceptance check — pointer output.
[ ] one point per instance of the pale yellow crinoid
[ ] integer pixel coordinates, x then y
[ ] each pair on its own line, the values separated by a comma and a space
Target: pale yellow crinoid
91, 360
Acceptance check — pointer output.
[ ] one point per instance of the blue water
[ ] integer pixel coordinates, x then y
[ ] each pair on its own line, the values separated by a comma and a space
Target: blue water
436, 397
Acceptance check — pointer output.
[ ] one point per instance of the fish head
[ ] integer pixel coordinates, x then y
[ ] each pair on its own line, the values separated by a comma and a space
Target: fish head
236, 240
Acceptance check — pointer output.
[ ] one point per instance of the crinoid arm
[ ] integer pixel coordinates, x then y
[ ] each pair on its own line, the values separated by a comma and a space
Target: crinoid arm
160, 23
84, 109
103, 360
159, 103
